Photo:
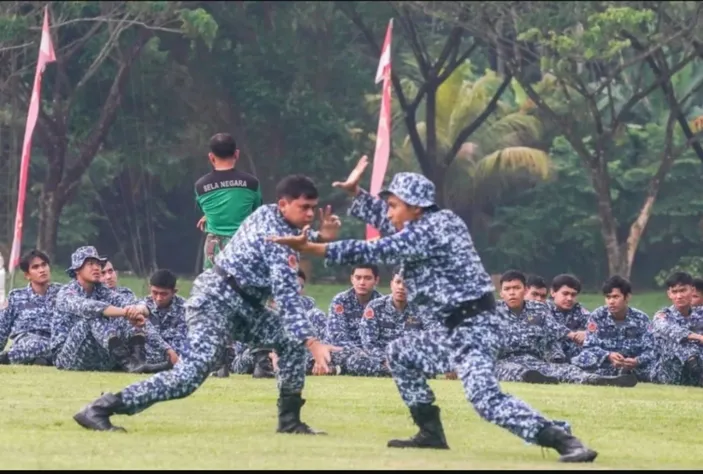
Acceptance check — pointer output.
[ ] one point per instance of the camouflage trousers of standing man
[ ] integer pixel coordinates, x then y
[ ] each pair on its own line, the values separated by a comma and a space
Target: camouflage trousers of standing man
214, 313
214, 244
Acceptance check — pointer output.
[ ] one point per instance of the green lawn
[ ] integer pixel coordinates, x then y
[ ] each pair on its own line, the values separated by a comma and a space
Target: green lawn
648, 302
230, 423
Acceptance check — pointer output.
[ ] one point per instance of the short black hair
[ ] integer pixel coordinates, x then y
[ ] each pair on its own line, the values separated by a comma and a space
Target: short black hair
616, 281
513, 275
163, 279
679, 278
295, 186
367, 266
396, 271
222, 145
536, 281
27, 258
566, 279
301, 274
698, 284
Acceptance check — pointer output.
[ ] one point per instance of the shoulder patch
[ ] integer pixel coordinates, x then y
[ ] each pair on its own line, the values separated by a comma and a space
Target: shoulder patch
338, 308
592, 327
368, 313
660, 315
293, 262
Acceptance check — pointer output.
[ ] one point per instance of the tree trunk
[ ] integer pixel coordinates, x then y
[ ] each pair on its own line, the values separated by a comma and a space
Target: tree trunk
50, 207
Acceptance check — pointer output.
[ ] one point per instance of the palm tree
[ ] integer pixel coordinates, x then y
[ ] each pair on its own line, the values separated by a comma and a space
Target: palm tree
501, 154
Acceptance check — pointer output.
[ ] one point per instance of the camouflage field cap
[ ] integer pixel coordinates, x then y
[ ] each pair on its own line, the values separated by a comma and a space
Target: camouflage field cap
79, 257
411, 188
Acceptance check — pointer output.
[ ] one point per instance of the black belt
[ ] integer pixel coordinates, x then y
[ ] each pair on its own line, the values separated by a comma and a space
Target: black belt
469, 309
232, 282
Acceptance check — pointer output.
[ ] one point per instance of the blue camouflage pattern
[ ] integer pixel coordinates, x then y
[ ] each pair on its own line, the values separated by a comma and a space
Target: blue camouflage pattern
531, 341
170, 329
575, 320
440, 269
383, 323
671, 329
126, 294
633, 338
214, 312
344, 318
411, 188
27, 321
80, 334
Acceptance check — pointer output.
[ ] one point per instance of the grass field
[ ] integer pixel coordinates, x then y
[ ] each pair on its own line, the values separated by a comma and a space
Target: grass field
230, 423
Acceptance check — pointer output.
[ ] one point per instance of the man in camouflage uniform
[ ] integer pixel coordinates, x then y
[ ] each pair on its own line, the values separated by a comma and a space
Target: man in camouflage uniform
167, 316
569, 312
386, 319
536, 289
444, 277
109, 279
91, 328
229, 300
532, 342
678, 332
619, 339
27, 318
697, 296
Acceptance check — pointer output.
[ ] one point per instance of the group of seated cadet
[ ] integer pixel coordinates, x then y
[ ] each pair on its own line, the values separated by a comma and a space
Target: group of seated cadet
86, 324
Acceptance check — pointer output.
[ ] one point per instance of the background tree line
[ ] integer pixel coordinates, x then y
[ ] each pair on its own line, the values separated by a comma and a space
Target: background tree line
566, 134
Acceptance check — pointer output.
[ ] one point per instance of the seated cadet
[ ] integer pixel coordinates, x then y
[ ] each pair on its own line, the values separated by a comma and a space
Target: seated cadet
697, 296
385, 319
27, 318
90, 329
109, 279
678, 332
536, 289
167, 316
569, 312
347, 307
532, 334
619, 339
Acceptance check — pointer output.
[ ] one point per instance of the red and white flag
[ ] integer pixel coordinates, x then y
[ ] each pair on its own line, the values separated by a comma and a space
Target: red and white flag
383, 135
46, 55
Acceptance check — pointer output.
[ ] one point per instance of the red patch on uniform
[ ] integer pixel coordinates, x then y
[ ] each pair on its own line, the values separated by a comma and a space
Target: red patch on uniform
368, 314
339, 309
293, 261
592, 326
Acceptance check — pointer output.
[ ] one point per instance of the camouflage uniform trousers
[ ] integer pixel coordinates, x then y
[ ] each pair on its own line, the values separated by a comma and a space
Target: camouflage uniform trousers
669, 367
243, 363
643, 373
28, 347
470, 350
512, 368
571, 349
213, 312
86, 346
213, 246
155, 354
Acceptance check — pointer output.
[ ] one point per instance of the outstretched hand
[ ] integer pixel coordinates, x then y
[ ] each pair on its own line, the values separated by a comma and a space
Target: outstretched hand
296, 242
351, 185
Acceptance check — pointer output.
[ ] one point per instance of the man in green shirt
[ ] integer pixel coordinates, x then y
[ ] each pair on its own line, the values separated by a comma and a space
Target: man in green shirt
226, 196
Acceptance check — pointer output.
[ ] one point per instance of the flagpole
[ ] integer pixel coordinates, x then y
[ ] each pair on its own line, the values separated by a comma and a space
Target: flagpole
46, 55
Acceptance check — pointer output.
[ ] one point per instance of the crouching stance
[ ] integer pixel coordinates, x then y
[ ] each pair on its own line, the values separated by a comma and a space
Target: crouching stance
444, 277
229, 300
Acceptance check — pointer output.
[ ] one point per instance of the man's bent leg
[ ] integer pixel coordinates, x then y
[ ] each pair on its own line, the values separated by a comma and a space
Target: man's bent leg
474, 346
207, 329
30, 349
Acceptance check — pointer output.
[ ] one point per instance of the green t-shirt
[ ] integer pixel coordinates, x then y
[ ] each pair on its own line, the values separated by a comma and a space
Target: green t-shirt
227, 197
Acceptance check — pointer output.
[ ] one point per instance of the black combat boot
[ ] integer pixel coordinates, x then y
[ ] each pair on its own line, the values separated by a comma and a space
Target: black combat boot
223, 367
123, 355
431, 434
692, 371
623, 380
568, 446
289, 406
43, 361
535, 376
137, 346
96, 416
4, 358
263, 367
